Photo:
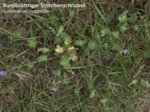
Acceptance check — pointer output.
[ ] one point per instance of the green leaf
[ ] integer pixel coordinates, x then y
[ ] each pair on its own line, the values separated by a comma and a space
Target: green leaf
43, 50
58, 40
133, 18
136, 27
67, 39
42, 58
123, 28
32, 42
145, 83
115, 34
71, 13
104, 32
92, 45
93, 94
65, 60
123, 17
17, 34
133, 82
56, 72
60, 30
80, 42
30, 65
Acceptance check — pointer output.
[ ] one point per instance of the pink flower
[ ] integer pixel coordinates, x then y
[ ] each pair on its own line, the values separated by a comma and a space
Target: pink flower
55, 90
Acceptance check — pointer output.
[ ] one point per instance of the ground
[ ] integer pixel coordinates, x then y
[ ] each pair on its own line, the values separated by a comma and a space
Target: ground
88, 59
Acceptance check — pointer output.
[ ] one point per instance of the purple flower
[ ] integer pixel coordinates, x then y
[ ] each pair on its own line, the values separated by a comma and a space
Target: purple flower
2, 73
125, 52
55, 90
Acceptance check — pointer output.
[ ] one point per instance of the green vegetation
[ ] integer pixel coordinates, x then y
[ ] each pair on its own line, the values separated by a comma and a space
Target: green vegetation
93, 59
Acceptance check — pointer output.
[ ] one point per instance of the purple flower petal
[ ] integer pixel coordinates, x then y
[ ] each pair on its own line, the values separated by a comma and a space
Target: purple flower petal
2, 73
125, 52
55, 90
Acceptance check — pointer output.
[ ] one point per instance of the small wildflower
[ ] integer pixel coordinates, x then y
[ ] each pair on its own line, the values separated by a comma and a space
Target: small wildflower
55, 90
125, 52
2, 73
